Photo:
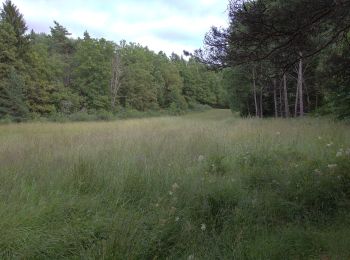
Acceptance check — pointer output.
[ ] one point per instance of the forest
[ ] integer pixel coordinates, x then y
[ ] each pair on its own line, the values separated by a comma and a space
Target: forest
284, 58
266, 63
55, 75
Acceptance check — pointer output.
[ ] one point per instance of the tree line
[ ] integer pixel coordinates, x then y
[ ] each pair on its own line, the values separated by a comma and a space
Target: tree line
47, 74
284, 58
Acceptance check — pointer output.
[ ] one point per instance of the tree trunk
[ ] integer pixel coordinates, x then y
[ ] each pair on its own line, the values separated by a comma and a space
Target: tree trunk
115, 81
275, 97
296, 102
286, 105
248, 109
254, 92
261, 103
300, 85
280, 99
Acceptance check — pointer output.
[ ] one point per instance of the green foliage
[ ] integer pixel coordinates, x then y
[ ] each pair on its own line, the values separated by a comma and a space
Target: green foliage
8, 50
92, 72
12, 103
63, 76
273, 38
335, 78
10, 14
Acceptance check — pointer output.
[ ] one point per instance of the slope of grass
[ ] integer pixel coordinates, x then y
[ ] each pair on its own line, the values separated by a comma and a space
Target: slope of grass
202, 186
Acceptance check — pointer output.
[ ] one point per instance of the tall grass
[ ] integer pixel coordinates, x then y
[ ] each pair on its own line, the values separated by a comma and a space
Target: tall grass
201, 186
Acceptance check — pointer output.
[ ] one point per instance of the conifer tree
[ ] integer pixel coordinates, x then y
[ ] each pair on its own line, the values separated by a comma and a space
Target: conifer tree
11, 15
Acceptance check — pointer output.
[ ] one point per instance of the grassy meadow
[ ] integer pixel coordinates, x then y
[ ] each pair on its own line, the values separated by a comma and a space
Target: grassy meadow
201, 186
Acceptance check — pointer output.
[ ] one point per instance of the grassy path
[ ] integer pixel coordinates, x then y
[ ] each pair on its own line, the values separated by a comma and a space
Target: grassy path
202, 186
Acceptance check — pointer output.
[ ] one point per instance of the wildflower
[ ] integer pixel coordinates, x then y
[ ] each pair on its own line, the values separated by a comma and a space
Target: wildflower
200, 158
171, 193
278, 133
190, 257
320, 138
203, 227
177, 219
157, 205
317, 171
340, 153
332, 166
330, 144
175, 186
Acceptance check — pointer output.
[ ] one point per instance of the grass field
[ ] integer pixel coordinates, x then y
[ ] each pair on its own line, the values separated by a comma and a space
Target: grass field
202, 186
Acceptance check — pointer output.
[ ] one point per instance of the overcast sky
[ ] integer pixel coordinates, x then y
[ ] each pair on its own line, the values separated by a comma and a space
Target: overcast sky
168, 25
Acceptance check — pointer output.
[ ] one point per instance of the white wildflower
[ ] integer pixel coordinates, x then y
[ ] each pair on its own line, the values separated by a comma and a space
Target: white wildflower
175, 186
177, 219
190, 257
203, 227
171, 193
200, 158
278, 133
157, 205
330, 144
332, 166
340, 153
320, 138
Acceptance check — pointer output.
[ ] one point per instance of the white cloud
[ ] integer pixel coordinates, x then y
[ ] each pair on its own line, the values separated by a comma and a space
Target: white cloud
160, 24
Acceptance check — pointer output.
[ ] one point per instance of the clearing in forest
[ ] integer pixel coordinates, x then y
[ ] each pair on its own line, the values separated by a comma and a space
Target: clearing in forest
200, 186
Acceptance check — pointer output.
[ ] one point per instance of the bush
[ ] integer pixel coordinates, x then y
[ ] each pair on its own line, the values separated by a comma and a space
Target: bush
82, 116
104, 115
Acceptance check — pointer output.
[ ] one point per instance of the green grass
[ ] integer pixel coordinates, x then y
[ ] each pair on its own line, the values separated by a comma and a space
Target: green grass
146, 188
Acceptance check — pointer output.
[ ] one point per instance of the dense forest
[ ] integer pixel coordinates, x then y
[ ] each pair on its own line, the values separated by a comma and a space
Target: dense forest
55, 75
276, 58
284, 58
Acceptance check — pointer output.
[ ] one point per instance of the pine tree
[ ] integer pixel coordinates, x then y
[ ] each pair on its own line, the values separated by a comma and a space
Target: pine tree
11, 15
8, 50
